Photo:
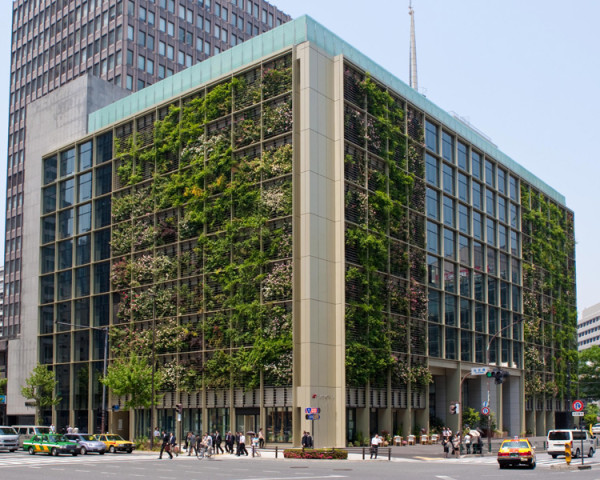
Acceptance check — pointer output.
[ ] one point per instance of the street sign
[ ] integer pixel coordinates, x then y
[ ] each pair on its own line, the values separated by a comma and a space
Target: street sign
2, 399
313, 416
312, 410
485, 411
479, 370
578, 405
577, 414
485, 403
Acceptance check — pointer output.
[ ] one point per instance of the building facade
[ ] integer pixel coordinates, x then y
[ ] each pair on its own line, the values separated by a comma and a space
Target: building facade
288, 226
129, 43
588, 327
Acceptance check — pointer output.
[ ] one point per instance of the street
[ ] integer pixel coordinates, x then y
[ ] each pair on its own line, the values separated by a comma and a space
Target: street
145, 465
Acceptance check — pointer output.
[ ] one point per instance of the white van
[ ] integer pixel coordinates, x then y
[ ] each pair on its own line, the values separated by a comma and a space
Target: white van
26, 432
581, 442
9, 439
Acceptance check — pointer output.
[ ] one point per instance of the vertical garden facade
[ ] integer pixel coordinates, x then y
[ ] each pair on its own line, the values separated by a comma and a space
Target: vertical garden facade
288, 226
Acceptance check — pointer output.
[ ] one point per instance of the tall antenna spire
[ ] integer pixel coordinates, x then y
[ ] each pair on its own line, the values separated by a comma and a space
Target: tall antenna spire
413, 49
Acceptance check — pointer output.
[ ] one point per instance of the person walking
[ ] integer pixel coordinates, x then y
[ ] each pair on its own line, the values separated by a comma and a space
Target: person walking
375, 441
243, 450
229, 442
237, 443
261, 438
166, 446
173, 443
218, 441
191, 441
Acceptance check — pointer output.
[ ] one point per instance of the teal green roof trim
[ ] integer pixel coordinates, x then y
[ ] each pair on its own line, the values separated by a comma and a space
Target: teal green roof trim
293, 33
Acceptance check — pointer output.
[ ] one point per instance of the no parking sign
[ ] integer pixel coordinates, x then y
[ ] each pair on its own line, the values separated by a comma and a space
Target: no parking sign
578, 405
485, 411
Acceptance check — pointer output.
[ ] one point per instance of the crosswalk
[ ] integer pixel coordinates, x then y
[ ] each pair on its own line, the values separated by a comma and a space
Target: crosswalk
44, 461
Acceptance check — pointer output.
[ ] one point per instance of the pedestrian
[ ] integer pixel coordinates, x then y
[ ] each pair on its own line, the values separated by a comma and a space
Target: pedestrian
375, 441
191, 442
69, 429
199, 445
310, 440
166, 446
468, 443
156, 435
237, 443
229, 442
75, 429
456, 446
217, 442
446, 446
52, 429
243, 450
261, 438
304, 439
174, 446
480, 444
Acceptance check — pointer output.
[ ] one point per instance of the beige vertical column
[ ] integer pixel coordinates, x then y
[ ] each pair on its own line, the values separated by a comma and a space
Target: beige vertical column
319, 373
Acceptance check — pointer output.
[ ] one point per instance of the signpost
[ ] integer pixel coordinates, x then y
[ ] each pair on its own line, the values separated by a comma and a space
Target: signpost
312, 414
578, 405
485, 411
479, 370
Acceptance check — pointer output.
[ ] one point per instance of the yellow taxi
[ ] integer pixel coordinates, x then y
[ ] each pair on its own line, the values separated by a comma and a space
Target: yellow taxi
517, 451
115, 443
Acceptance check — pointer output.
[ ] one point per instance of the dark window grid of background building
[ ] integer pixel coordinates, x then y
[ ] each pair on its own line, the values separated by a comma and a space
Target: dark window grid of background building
474, 278
55, 42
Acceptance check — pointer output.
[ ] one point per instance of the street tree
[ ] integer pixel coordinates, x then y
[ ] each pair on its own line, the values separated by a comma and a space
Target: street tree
40, 388
132, 376
591, 414
589, 373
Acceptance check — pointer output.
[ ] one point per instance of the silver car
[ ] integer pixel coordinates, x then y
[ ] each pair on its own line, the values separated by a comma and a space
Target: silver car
87, 443
9, 439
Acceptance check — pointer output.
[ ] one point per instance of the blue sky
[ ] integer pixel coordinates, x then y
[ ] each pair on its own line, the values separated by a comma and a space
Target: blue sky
523, 72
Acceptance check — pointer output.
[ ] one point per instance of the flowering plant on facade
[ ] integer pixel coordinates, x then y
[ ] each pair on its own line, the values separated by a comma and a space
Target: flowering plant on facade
277, 161
277, 119
277, 284
276, 81
277, 200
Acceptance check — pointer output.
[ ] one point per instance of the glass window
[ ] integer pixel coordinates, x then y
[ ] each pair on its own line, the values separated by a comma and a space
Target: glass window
477, 226
477, 196
463, 187
466, 346
502, 181
65, 223
102, 277
450, 310
85, 187
514, 195
82, 252
49, 170
448, 243
49, 200
478, 252
434, 340
490, 202
433, 238
82, 281
85, 156
431, 136
433, 271
48, 259
431, 170
67, 162
82, 312
102, 212
465, 282
448, 179
503, 266
451, 353
433, 309
491, 232
449, 276
103, 148
502, 237
492, 292
501, 209
515, 271
67, 193
516, 298
489, 174
65, 254
84, 218
463, 218
462, 156
491, 262
464, 245
48, 229
449, 211
476, 165
433, 207
102, 244
448, 147
514, 244
514, 216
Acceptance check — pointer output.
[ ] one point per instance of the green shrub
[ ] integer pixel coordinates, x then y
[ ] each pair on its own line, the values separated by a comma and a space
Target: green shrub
316, 453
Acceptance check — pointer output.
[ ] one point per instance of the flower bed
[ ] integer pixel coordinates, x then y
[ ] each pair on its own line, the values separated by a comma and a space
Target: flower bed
316, 453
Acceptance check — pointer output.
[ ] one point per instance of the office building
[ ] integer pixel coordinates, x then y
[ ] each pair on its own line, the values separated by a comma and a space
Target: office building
588, 327
129, 43
286, 226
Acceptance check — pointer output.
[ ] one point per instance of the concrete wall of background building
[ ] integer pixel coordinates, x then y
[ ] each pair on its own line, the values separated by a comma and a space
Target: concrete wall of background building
55, 120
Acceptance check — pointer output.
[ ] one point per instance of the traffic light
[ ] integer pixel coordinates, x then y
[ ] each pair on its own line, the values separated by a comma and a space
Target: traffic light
454, 408
497, 375
179, 408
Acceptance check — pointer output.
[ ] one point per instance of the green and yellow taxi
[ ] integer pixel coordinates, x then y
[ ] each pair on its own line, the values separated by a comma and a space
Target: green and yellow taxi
517, 451
51, 444
115, 443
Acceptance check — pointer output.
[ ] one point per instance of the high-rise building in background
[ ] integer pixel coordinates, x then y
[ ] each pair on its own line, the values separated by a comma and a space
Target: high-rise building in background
588, 327
131, 44
288, 226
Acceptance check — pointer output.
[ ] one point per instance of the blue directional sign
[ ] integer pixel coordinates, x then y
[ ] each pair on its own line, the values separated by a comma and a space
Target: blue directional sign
2, 399
313, 416
313, 410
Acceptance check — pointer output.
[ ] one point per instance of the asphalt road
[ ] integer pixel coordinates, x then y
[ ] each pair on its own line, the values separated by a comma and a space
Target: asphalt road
20, 466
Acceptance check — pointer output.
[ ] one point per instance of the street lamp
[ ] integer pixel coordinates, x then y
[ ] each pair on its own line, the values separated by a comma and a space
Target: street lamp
105, 330
487, 362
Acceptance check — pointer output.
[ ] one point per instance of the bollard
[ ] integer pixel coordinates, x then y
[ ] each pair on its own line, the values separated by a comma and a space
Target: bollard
275, 451
363, 453
389, 453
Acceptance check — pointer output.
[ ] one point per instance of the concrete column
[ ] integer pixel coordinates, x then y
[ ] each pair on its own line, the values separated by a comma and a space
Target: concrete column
511, 406
452, 391
319, 280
